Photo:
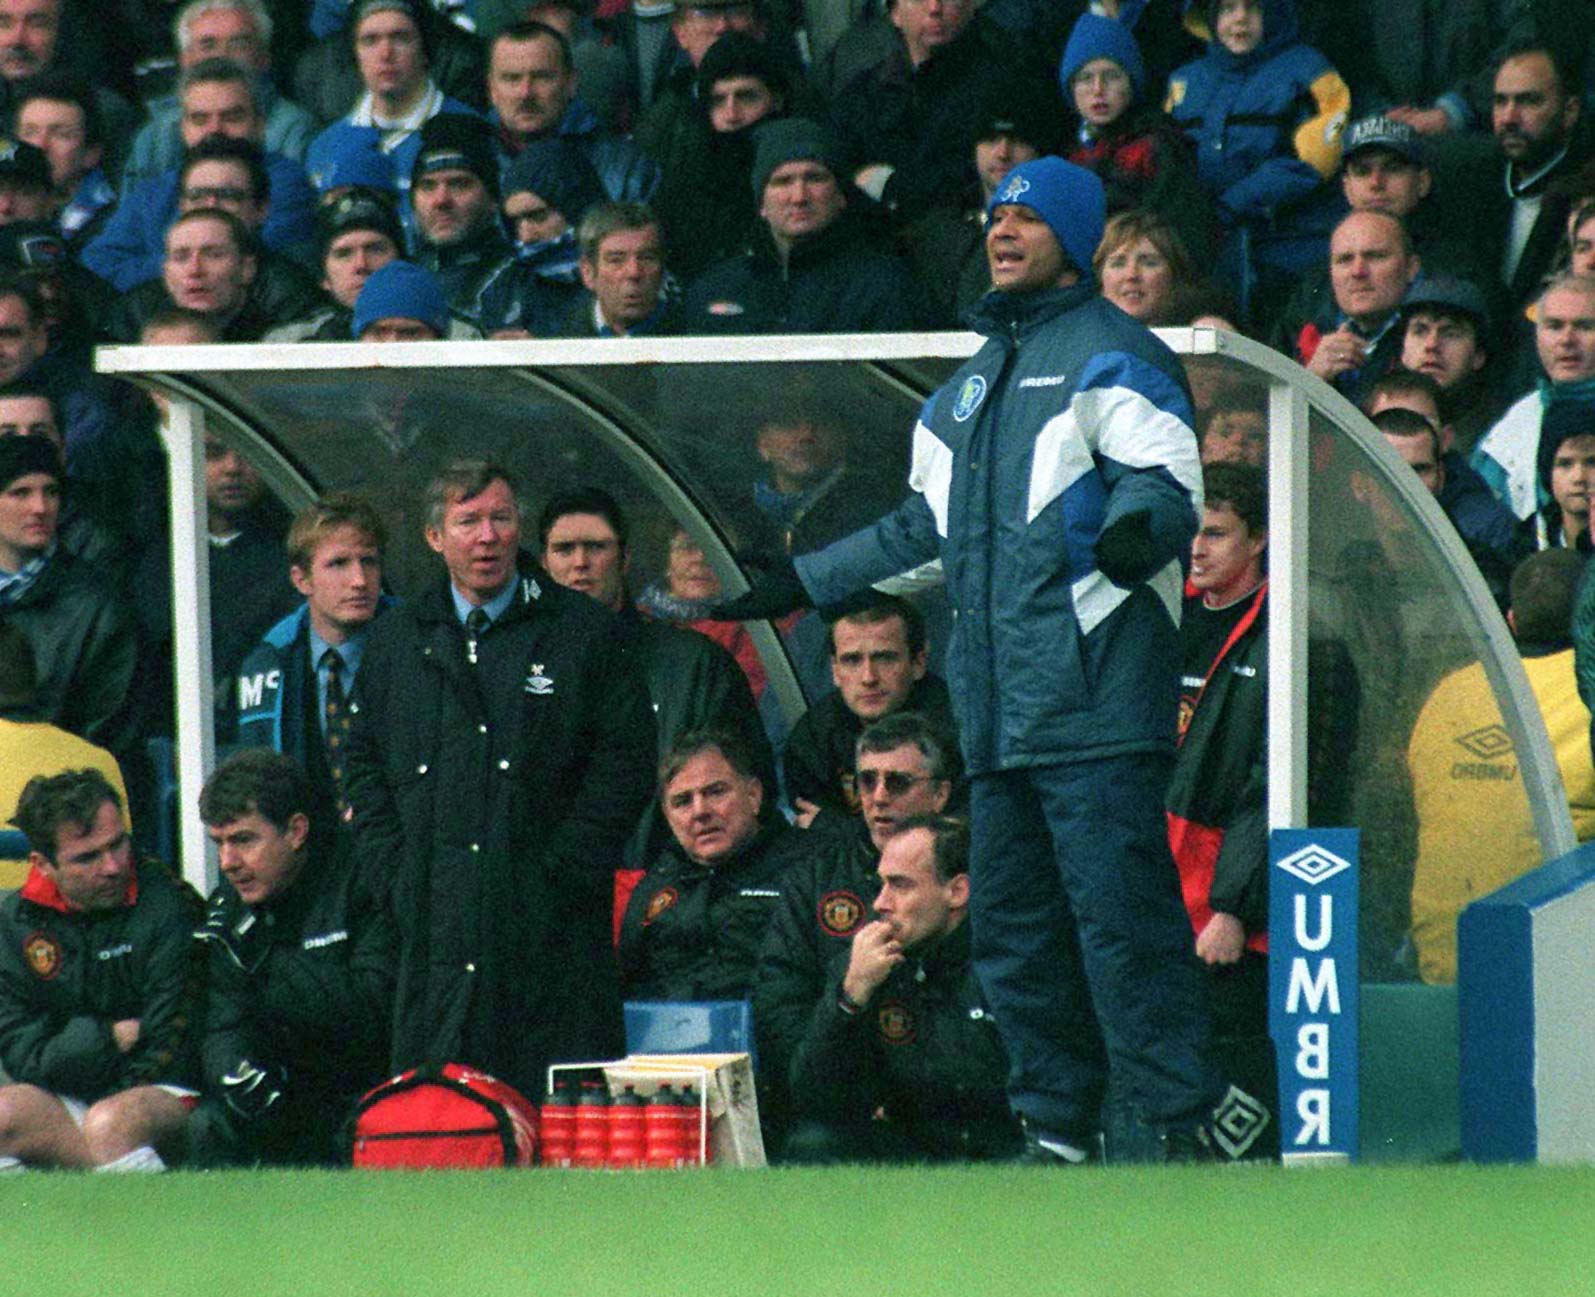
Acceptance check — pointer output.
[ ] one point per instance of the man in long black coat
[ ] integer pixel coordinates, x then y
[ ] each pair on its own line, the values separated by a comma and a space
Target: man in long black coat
501, 750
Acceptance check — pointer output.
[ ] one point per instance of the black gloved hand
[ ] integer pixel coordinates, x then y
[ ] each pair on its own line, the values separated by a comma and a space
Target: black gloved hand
774, 590
251, 1091
1125, 552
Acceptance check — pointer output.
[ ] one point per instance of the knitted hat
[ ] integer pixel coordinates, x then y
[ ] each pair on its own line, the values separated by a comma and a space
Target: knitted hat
1096, 37
20, 456
559, 173
354, 157
401, 291
456, 142
1025, 113
1068, 198
415, 10
736, 54
793, 139
357, 209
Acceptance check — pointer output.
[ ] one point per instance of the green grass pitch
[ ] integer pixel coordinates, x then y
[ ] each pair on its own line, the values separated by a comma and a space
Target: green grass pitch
1133, 1232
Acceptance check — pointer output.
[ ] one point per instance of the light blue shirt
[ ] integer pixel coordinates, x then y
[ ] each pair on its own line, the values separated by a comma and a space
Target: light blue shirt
351, 651
495, 607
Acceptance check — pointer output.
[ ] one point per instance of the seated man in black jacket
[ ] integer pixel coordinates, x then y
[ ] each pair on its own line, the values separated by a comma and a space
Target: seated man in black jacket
903, 768
900, 1060
301, 975
693, 926
878, 667
100, 989
692, 682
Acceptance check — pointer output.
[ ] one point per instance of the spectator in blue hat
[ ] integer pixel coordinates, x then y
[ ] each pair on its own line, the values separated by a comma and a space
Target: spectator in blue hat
1141, 157
548, 189
400, 303
355, 159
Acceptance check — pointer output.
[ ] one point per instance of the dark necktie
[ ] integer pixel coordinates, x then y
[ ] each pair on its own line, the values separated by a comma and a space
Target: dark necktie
335, 722
476, 623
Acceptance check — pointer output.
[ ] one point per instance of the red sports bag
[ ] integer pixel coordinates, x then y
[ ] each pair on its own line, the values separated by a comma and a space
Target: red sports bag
449, 1116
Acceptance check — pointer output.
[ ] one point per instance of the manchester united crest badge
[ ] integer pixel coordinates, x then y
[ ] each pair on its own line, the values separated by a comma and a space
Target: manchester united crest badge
896, 1021
43, 955
661, 901
840, 913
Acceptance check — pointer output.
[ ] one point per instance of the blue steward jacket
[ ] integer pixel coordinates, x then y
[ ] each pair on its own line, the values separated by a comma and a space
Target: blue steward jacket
1072, 416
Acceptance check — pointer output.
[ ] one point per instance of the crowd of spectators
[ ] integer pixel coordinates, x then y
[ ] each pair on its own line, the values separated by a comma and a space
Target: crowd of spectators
1410, 217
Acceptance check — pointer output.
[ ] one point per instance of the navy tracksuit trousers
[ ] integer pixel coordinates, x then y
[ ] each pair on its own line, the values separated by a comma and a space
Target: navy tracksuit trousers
1083, 945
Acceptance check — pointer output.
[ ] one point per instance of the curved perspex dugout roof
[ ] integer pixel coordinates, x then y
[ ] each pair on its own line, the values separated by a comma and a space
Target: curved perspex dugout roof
1408, 713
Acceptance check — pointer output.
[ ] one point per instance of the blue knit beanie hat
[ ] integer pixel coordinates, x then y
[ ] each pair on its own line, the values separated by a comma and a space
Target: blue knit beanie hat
559, 173
1068, 198
355, 157
1096, 37
401, 291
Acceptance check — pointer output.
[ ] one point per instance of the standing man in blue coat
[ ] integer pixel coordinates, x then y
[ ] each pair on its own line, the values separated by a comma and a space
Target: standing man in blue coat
1056, 480
293, 688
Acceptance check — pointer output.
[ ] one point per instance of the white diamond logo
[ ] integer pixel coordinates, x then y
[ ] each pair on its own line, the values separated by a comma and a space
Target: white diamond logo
1313, 865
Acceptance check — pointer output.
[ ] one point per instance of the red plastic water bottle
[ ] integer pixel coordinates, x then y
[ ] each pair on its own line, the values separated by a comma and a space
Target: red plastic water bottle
592, 1126
627, 1138
556, 1126
662, 1130
693, 1152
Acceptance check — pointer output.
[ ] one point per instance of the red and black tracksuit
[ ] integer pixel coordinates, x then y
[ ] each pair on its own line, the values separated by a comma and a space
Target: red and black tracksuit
1218, 832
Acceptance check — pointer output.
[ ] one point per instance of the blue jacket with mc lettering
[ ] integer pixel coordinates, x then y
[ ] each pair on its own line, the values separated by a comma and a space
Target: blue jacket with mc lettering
1072, 416
271, 686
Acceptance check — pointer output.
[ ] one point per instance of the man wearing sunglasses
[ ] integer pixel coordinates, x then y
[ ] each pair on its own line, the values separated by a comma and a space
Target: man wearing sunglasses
903, 767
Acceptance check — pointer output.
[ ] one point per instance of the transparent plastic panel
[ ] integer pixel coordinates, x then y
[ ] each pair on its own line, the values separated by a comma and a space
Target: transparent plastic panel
1405, 734
723, 437
1443, 811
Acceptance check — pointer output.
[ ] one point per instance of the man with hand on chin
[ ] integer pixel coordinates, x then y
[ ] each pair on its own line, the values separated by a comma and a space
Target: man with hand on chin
901, 1061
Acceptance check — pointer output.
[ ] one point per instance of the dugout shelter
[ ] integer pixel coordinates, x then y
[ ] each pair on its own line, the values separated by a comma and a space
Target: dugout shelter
1372, 592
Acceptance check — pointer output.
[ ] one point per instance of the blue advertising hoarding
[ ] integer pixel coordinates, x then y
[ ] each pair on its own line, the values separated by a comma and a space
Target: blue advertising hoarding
1312, 989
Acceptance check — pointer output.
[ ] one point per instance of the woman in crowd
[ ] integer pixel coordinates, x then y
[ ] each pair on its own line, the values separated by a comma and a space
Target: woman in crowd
1142, 264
